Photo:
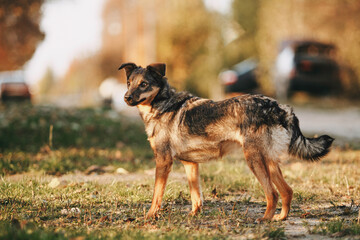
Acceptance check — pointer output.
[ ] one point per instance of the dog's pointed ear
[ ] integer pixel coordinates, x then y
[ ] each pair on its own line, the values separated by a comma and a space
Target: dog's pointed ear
129, 68
159, 68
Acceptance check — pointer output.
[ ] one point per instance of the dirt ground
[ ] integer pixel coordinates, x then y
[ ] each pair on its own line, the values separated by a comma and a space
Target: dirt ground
295, 227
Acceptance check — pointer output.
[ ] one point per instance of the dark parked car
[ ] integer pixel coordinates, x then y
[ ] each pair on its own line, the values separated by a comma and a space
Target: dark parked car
13, 86
241, 78
306, 66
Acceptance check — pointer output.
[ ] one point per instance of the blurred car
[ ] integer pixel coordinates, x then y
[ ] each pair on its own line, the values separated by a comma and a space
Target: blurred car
307, 66
13, 86
241, 78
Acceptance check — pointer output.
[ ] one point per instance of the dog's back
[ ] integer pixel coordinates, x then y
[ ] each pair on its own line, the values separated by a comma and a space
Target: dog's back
199, 129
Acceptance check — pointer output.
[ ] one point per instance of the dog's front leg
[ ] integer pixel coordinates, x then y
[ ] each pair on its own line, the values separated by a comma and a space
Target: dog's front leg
163, 168
192, 172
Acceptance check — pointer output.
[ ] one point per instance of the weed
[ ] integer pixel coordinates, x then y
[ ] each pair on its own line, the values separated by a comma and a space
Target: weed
338, 227
275, 233
302, 196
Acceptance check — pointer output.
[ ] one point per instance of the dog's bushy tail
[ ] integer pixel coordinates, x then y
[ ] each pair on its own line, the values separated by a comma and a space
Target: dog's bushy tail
311, 149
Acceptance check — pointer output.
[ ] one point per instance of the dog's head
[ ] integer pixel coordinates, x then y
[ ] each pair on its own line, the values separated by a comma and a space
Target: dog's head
144, 84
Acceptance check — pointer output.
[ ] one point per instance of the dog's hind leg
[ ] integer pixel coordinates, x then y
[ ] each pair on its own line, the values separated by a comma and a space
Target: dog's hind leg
258, 165
192, 172
285, 190
163, 168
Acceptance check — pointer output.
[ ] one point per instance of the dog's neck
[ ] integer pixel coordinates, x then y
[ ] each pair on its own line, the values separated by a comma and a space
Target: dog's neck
164, 103
147, 106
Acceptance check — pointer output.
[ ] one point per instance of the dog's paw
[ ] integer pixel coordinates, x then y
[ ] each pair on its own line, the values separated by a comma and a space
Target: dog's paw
194, 212
279, 217
152, 215
261, 220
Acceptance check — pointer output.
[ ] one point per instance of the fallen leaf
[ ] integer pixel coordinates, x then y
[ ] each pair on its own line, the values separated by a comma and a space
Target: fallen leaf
304, 215
55, 182
104, 218
121, 171
64, 212
130, 219
94, 169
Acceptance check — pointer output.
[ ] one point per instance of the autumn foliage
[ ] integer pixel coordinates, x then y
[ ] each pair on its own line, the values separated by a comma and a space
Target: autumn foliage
19, 32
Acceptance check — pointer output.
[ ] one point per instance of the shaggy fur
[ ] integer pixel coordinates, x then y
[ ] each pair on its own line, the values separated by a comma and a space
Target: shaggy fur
195, 130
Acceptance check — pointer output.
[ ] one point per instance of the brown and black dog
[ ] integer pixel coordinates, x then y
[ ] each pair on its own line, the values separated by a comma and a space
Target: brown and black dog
195, 130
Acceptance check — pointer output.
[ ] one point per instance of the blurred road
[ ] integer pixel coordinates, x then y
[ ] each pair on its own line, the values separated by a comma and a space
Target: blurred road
343, 123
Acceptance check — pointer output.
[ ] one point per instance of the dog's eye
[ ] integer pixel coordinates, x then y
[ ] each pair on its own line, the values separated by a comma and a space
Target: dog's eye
128, 84
143, 84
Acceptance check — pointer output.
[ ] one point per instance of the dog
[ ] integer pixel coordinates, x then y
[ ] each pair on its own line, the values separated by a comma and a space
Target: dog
194, 130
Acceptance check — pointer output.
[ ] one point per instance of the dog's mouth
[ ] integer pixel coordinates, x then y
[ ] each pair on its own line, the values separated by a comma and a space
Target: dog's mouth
134, 103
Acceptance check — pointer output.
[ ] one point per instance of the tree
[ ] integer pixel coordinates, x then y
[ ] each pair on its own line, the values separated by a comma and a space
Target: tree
244, 23
182, 34
19, 31
190, 43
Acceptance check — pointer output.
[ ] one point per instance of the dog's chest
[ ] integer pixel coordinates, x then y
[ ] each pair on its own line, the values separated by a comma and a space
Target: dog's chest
158, 131
150, 128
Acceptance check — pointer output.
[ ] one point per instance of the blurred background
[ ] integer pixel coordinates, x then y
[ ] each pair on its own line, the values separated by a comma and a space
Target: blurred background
67, 52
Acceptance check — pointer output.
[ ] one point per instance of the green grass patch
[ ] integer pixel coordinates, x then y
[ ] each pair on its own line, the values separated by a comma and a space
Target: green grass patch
57, 141
27, 128
338, 228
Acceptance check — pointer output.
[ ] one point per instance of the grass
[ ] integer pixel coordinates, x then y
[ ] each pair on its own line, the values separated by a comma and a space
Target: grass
119, 209
27, 128
80, 138
338, 227
326, 194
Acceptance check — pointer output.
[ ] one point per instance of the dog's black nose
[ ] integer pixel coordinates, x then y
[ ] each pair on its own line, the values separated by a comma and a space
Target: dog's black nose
128, 97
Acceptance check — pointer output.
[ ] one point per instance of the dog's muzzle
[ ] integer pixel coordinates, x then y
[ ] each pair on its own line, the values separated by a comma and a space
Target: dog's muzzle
129, 99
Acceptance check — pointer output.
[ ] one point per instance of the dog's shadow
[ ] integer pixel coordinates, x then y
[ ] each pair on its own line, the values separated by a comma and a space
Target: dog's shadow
248, 211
